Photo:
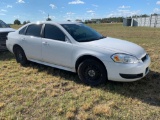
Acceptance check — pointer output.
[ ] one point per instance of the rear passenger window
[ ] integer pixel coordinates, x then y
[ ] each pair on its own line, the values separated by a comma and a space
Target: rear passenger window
34, 30
22, 31
53, 32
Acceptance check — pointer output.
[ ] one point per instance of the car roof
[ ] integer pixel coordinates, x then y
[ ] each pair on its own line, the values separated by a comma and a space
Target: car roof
52, 22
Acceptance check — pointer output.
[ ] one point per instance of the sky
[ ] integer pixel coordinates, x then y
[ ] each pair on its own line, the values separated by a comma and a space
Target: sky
62, 10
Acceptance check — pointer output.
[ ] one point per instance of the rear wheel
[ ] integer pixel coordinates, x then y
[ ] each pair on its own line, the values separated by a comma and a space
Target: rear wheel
20, 56
92, 72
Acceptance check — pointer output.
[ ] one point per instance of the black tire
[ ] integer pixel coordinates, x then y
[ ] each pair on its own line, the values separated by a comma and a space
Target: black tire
20, 56
92, 72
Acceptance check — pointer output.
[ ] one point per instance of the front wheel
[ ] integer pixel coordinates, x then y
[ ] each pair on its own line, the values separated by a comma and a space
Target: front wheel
20, 56
92, 72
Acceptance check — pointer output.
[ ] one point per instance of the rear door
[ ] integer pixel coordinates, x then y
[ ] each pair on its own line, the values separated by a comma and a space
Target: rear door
55, 49
32, 42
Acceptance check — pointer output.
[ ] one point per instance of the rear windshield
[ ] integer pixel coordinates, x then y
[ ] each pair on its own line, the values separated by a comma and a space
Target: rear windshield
3, 24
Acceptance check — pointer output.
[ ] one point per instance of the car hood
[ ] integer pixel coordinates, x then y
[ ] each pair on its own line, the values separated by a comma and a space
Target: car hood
7, 30
118, 46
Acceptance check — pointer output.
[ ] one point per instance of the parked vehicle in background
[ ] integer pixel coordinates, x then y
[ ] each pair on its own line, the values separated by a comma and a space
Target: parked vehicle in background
4, 30
78, 48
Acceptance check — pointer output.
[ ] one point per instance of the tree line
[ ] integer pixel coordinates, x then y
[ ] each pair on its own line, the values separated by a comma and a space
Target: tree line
113, 19
18, 22
103, 20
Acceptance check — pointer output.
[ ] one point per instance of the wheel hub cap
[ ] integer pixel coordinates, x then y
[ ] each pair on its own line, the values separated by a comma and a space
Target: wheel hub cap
91, 73
20, 56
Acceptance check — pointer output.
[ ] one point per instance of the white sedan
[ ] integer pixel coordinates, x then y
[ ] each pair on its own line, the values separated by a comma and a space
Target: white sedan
78, 48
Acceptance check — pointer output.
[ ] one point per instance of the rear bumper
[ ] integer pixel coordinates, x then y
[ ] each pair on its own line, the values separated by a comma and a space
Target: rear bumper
127, 72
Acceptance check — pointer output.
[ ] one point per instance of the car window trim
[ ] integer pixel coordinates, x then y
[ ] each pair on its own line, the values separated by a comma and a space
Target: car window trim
26, 27
42, 30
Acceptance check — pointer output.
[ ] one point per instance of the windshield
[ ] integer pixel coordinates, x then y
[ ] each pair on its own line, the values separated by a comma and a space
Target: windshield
82, 33
3, 25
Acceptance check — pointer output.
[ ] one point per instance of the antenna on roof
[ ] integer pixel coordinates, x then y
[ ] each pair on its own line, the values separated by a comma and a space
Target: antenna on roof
48, 19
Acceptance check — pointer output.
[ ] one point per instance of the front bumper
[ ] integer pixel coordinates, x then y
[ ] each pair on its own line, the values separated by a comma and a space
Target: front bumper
3, 38
127, 72
3, 46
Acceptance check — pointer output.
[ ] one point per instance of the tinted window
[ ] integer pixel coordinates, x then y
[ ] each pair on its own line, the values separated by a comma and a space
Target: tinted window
22, 31
53, 32
82, 33
34, 30
3, 25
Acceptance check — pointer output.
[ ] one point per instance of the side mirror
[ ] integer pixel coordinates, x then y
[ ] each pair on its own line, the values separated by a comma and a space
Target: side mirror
67, 39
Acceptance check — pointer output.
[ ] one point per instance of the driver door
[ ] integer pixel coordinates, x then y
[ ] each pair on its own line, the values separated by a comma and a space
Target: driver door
55, 49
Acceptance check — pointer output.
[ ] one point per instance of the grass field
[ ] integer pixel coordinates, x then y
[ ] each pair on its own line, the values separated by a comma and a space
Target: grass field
38, 92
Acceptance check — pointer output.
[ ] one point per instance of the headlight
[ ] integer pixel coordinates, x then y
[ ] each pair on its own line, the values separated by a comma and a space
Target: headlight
124, 58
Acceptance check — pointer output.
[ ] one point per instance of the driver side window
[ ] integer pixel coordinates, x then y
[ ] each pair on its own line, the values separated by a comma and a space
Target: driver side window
53, 32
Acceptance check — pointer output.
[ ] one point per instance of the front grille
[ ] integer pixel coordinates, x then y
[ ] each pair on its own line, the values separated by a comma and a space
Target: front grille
144, 58
131, 76
3, 36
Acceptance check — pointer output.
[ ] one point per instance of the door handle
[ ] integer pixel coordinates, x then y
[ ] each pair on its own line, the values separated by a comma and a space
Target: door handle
23, 39
45, 43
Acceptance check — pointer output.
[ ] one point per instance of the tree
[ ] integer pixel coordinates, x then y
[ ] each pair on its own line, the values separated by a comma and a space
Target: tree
28, 22
24, 22
145, 15
155, 14
17, 22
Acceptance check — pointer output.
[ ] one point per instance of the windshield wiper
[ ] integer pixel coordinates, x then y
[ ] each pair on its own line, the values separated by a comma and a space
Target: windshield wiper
93, 39
89, 40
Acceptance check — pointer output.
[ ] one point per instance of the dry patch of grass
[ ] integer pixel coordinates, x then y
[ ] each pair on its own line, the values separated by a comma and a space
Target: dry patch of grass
41, 92
102, 109
16, 26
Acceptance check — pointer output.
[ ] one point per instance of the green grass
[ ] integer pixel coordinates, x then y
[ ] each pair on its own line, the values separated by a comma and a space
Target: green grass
41, 92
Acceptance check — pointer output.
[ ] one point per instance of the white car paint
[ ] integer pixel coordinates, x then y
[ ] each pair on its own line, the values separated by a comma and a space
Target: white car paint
44, 50
7, 30
63, 56
30, 42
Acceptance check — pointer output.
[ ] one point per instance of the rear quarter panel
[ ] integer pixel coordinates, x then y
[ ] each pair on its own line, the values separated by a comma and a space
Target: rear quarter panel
12, 39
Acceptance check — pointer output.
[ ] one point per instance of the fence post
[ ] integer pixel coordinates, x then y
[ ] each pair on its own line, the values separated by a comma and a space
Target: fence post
150, 20
145, 21
141, 20
156, 19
